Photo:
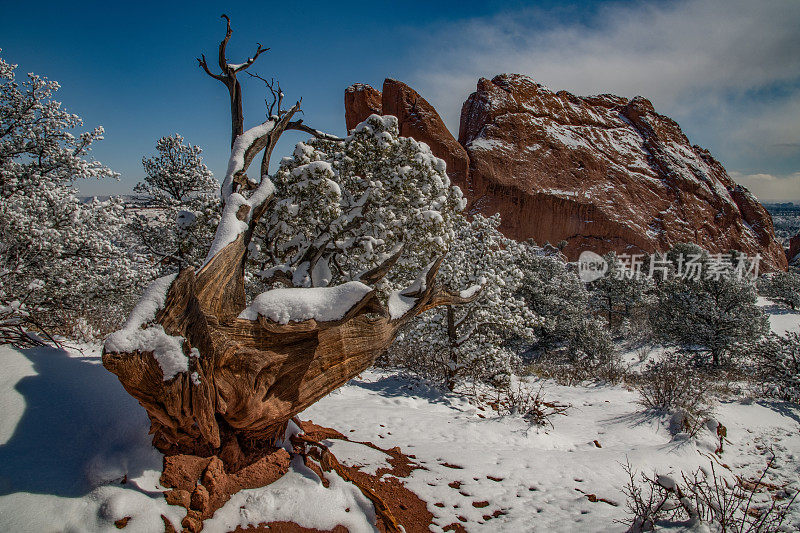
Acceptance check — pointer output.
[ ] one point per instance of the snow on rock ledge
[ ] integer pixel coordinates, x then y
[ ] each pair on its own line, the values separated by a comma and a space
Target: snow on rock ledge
323, 304
167, 349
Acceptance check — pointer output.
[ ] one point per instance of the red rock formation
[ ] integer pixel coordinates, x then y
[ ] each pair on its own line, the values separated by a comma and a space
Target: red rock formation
602, 173
416, 118
360, 101
794, 249
419, 120
202, 485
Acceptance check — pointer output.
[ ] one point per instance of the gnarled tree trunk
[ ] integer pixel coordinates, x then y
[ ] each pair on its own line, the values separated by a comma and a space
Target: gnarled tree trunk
251, 376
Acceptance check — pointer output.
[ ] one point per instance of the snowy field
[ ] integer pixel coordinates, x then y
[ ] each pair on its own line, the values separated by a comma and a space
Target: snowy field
75, 454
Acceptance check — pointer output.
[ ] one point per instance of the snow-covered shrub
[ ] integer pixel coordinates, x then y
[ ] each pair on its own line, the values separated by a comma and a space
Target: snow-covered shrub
344, 206
620, 295
567, 332
74, 251
781, 287
671, 386
778, 363
710, 314
476, 340
180, 206
705, 501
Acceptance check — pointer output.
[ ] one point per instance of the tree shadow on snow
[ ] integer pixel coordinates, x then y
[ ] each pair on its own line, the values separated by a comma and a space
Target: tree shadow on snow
786, 409
79, 429
779, 309
656, 419
402, 386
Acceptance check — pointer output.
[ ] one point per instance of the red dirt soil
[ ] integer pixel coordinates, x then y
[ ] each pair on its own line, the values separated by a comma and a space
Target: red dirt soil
215, 487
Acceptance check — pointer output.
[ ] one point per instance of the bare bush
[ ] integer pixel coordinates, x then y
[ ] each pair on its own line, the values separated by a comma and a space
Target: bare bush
429, 364
671, 386
575, 371
12, 329
523, 401
739, 505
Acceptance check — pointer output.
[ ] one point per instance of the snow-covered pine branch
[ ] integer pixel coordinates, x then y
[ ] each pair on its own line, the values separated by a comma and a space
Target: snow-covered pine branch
181, 205
473, 340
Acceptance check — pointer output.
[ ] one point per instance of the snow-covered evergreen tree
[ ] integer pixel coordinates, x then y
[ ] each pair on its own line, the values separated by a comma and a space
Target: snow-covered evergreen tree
778, 359
620, 292
343, 206
782, 287
182, 205
477, 339
568, 330
63, 256
706, 304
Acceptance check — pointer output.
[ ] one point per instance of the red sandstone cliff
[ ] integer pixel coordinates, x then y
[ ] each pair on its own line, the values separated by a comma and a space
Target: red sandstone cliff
600, 172
793, 252
360, 101
416, 118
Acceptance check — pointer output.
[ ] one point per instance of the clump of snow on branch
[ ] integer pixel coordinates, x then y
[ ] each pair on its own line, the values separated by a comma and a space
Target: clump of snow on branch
139, 335
231, 226
401, 301
322, 304
240, 146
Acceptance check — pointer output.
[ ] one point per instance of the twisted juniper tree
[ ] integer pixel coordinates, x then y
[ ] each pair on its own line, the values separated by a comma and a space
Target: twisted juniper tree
219, 376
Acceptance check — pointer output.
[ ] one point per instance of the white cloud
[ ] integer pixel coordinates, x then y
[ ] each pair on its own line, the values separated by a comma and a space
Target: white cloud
727, 70
769, 187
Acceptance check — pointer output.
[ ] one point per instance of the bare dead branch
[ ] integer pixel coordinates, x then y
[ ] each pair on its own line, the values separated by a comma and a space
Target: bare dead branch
202, 61
251, 60
275, 91
228, 77
299, 126
223, 61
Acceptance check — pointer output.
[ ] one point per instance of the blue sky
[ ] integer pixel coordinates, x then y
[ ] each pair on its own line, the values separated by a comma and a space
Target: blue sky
728, 71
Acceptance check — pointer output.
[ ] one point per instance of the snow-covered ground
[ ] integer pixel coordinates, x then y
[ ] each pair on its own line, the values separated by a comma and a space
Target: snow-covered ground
781, 318
70, 436
546, 473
